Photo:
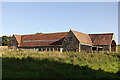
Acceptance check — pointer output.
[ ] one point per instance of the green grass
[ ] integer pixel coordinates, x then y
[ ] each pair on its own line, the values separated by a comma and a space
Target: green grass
118, 48
34, 64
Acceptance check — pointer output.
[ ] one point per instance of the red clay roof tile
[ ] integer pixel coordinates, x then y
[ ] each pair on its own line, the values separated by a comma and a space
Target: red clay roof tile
55, 39
18, 38
101, 39
51, 39
82, 37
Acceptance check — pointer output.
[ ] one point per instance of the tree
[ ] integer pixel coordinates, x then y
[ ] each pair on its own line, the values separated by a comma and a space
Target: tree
5, 40
39, 33
0, 41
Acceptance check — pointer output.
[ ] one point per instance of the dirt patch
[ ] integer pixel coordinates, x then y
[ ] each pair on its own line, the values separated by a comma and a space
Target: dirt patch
3, 47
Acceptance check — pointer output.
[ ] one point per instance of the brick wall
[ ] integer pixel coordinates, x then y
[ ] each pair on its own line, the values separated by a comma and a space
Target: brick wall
70, 45
86, 48
13, 43
105, 47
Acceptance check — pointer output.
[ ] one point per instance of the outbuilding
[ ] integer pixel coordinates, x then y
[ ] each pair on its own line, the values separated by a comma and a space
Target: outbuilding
65, 41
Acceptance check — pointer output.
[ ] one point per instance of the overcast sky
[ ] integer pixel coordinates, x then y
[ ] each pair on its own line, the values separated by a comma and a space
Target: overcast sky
49, 17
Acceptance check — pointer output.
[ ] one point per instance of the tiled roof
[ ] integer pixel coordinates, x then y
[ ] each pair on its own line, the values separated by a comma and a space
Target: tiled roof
18, 38
101, 39
51, 39
82, 37
55, 39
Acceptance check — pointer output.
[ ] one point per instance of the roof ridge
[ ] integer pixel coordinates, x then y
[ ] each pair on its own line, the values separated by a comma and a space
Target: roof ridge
55, 33
16, 34
101, 33
44, 33
18, 38
49, 37
78, 32
83, 34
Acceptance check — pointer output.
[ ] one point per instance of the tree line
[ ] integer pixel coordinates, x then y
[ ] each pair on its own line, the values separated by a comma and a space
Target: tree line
4, 40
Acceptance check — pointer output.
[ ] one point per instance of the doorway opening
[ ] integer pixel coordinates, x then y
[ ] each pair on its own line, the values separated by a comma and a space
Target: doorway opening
113, 45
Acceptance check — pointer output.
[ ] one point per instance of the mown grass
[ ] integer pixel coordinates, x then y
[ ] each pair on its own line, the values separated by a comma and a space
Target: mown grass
34, 64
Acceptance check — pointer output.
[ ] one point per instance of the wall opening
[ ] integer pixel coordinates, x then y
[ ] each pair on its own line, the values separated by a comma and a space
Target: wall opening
100, 49
113, 45
94, 48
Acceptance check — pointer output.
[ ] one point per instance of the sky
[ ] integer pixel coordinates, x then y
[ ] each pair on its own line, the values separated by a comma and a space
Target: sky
50, 17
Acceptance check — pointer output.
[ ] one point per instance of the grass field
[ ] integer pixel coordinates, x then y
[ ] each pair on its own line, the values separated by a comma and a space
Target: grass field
34, 64
118, 48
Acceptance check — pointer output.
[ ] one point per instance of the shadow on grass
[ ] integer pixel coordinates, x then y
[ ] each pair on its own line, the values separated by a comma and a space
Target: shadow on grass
35, 68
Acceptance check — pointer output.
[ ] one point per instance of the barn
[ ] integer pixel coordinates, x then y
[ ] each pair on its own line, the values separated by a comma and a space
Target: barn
65, 41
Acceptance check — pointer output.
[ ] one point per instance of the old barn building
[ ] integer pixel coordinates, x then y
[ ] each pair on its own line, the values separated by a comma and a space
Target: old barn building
65, 41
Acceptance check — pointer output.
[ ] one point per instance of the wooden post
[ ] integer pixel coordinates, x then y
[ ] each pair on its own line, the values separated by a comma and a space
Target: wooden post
91, 49
61, 50
46, 49
34, 49
41, 49
53, 49
97, 48
79, 47
49, 49
37, 49
110, 48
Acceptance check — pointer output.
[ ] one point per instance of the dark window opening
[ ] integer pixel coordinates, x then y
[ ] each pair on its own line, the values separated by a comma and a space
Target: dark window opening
92, 40
70, 38
94, 48
51, 49
99, 49
55, 49
113, 46
11, 44
58, 49
75, 50
13, 41
47, 49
